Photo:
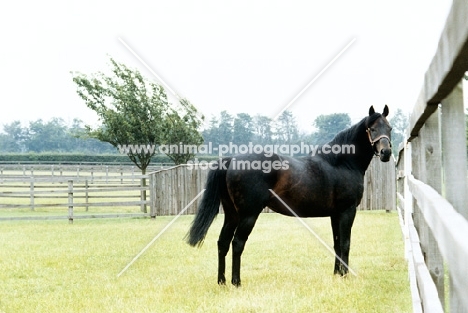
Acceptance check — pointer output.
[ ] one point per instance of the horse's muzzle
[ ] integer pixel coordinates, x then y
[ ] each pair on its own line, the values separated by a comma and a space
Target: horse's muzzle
385, 155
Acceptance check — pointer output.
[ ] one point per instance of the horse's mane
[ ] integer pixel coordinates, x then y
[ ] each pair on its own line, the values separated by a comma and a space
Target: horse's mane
349, 136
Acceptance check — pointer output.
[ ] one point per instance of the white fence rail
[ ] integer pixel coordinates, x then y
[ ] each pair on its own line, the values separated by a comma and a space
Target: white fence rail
432, 183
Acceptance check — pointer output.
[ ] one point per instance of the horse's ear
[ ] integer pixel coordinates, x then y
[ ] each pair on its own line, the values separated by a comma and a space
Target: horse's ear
371, 110
385, 111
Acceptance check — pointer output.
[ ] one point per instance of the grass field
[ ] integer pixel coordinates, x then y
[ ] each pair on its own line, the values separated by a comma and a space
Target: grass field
51, 266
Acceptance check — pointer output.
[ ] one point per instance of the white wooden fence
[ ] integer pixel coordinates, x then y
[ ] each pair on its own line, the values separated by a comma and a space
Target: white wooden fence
432, 177
54, 193
78, 188
38, 187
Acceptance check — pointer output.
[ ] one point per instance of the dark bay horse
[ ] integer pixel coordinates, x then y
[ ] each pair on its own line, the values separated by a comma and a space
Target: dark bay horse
324, 184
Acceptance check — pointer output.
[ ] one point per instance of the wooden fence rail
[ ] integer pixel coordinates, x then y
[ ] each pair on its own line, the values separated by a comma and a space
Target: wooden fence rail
71, 192
433, 163
170, 190
64, 171
173, 188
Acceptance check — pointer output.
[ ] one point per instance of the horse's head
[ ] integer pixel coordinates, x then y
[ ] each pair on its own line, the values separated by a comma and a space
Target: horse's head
379, 132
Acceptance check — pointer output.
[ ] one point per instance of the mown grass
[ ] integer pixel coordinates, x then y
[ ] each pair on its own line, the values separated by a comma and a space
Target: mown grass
51, 266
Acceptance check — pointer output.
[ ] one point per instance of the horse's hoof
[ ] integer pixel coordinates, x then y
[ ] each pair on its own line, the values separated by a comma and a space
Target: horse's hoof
221, 281
343, 273
236, 283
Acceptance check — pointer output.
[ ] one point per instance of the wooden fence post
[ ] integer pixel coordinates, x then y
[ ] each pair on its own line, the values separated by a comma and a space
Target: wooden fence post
454, 161
70, 201
152, 184
408, 224
31, 193
431, 154
143, 194
86, 195
77, 171
407, 193
454, 150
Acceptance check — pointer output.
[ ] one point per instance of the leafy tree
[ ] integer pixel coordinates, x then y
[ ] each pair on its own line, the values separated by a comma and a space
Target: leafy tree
225, 128
287, 130
80, 141
134, 111
131, 109
212, 133
183, 130
263, 129
399, 123
242, 129
13, 139
329, 125
47, 136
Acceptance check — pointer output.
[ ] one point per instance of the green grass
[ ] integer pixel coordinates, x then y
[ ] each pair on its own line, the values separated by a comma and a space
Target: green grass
51, 266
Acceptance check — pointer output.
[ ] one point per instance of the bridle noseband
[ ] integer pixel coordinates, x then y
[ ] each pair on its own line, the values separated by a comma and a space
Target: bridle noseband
373, 141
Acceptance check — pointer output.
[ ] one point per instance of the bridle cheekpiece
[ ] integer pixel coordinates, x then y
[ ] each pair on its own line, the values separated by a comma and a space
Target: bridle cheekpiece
373, 141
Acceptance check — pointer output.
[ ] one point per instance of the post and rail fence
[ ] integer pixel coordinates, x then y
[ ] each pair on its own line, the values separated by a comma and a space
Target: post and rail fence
432, 177
431, 182
77, 190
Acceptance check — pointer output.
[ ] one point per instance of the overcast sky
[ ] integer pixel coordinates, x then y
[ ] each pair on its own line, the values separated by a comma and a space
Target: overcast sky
242, 56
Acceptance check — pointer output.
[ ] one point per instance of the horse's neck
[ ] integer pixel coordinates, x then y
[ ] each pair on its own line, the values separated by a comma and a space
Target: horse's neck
363, 151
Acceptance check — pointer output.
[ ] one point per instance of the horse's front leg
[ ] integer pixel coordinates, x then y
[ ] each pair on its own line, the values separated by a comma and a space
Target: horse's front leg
336, 243
341, 225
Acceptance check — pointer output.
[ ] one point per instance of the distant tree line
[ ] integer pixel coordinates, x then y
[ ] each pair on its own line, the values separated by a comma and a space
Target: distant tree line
52, 136
59, 137
244, 128
259, 129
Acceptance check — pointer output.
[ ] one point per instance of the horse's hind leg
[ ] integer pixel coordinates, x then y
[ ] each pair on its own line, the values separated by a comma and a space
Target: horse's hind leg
246, 224
231, 220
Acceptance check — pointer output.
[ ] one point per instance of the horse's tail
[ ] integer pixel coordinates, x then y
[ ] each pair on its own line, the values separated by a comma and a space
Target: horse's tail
209, 205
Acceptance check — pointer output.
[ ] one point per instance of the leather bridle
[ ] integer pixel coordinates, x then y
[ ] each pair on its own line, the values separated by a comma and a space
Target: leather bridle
373, 141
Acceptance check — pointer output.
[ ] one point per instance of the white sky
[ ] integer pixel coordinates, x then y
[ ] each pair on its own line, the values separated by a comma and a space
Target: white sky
242, 56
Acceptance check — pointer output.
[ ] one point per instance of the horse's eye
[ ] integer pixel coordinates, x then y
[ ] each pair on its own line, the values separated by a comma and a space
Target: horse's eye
372, 129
